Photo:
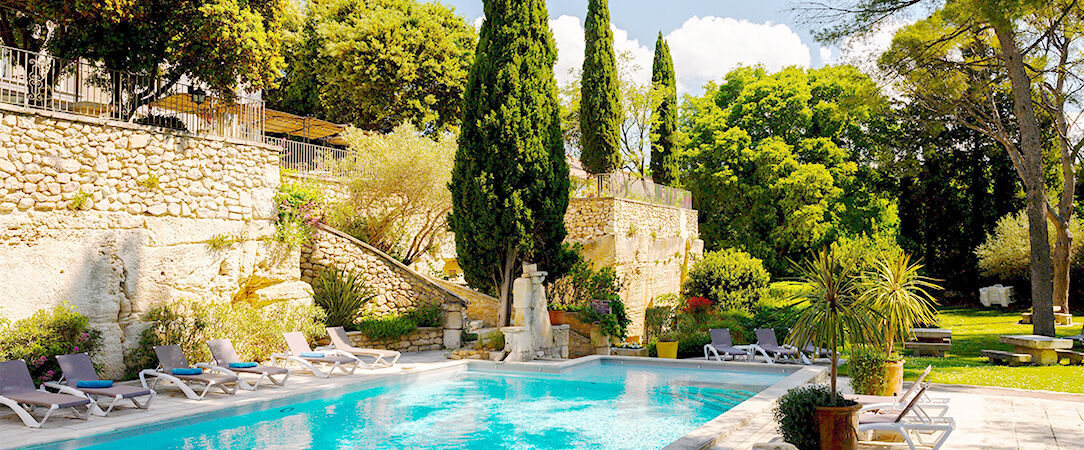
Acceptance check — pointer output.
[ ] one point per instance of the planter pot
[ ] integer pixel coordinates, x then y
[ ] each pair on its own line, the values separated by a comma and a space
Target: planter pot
838, 426
667, 349
558, 318
893, 379
620, 351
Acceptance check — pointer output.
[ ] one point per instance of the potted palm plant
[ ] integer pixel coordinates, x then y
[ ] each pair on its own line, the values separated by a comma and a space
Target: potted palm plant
831, 315
896, 289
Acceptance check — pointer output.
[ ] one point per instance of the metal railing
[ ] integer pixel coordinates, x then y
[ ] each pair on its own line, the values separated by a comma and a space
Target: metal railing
310, 159
43, 82
619, 185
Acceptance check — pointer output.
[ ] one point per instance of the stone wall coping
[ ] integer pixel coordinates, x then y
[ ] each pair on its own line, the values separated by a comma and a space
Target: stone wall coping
629, 200
129, 125
416, 330
394, 262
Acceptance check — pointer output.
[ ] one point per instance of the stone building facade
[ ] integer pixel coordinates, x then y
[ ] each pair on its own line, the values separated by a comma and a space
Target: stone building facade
650, 246
113, 217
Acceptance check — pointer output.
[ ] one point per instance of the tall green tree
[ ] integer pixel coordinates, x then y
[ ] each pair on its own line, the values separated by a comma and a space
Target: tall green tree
223, 44
777, 163
378, 63
664, 119
510, 179
600, 107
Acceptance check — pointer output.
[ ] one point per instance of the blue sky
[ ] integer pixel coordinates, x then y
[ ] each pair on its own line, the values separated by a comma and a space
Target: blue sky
707, 37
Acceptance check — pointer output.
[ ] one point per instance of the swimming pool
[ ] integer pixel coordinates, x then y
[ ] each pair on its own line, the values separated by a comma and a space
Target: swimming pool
600, 404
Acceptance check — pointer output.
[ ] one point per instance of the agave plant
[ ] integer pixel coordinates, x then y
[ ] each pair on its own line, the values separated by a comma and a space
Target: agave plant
833, 314
897, 290
341, 294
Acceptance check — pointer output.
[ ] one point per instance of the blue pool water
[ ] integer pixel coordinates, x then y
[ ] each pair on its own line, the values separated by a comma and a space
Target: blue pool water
598, 405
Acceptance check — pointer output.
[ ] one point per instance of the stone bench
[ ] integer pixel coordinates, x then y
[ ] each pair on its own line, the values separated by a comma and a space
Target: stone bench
928, 348
1073, 357
1010, 358
1060, 318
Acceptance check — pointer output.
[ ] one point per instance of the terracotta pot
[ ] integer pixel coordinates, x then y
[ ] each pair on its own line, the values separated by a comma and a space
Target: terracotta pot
893, 379
558, 318
666, 349
838, 426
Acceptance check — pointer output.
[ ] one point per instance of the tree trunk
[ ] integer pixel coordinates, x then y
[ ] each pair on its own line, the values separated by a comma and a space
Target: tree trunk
1032, 157
1061, 262
504, 289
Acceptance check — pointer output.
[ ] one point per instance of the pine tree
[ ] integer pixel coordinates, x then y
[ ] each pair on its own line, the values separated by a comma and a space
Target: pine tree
510, 180
664, 117
600, 107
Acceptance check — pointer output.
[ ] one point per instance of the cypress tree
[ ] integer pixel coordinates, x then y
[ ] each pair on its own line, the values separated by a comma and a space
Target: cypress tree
600, 107
510, 179
664, 116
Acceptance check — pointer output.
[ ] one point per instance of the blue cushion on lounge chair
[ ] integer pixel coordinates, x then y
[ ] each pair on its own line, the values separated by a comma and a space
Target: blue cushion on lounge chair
187, 371
312, 354
243, 365
94, 384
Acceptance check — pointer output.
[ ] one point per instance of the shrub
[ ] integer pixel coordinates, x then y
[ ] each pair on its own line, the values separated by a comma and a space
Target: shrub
427, 315
575, 290
697, 305
868, 367
731, 278
149, 182
38, 339
164, 121
692, 344
1006, 253
256, 332
385, 328
657, 319
341, 294
299, 212
794, 413
494, 341
866, 250
80, 201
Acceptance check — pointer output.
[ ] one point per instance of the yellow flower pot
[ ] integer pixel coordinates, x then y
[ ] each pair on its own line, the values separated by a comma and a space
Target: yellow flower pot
667, 349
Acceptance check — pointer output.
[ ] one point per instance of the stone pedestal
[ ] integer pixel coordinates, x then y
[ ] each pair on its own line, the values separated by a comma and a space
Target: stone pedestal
560, 341
453, 339
517, 342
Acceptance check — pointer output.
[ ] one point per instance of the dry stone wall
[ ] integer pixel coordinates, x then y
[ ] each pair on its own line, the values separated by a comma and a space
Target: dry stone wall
420, 340
113, 217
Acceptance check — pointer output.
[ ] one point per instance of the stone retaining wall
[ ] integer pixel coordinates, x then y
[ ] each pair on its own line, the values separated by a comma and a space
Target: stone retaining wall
419, 340
398, 289
113, 217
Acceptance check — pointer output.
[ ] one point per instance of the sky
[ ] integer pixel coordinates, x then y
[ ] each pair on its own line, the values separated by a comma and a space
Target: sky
707, 38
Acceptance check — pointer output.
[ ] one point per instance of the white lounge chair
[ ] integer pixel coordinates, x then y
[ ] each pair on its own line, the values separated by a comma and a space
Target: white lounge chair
722, 345
915, 429
223, 355
340, 341
17, 392
768, 347
171, 357
300, 353
77, 367
896, 403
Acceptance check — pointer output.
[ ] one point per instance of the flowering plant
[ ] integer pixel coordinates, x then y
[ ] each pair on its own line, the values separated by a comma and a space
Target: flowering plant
300, 212
38, 339
697, 305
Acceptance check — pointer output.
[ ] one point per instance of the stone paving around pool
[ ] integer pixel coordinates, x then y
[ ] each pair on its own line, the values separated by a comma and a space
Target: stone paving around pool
987, 418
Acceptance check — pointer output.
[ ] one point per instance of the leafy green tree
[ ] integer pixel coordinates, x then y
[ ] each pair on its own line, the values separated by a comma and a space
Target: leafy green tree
600, 107
664, 119
773, 163
1032, 47
510, 179
378, 63
223, 44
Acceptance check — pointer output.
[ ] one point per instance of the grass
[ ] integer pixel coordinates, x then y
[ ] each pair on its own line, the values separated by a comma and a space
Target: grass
974, 330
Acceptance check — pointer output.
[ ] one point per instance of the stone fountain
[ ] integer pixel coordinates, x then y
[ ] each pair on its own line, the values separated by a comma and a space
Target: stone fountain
532, 335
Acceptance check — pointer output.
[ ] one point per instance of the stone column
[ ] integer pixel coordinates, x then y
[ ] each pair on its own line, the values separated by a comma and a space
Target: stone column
453, 325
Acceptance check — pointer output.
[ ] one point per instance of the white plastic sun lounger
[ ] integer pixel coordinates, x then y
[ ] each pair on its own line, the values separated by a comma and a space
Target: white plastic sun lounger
915, 429
17, 392
299, 346
768, 346
925, 402
172, 357
722, 345
223, 354
77, 367
340, 341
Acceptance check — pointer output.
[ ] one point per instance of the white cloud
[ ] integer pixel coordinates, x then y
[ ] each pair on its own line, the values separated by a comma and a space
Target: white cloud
826, 54
568, 33
478, 22
705, 49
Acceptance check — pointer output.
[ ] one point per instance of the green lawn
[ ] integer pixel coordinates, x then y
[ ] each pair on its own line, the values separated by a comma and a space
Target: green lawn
974, 330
